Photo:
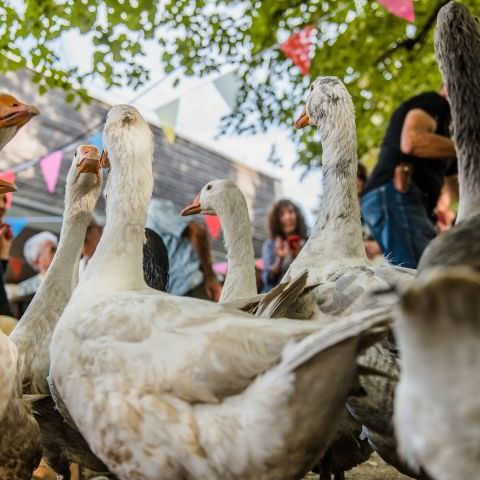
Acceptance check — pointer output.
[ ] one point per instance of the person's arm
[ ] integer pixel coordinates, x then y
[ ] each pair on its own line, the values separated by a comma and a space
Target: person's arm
418, 137
199, 238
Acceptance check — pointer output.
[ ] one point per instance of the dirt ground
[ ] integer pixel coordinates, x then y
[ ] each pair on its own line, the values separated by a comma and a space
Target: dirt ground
373, 469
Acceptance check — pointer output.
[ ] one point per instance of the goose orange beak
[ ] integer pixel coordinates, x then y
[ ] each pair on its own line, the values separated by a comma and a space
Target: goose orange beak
303, 120
88, 159
14, 113
6, 187
192, 208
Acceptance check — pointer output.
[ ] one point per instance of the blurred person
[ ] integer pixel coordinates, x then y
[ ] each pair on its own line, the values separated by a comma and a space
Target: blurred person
191, 271
38, 251
288, 232
399, 198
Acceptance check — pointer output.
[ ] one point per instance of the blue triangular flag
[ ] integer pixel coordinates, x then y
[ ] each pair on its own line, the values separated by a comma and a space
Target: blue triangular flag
17, 224
96, 140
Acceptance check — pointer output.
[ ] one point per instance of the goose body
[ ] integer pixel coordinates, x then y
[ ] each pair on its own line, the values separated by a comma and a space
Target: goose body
437, 409
173, 387
335, 259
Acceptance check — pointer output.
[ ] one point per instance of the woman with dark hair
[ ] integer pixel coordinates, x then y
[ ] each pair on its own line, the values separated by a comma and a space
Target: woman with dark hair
288, 233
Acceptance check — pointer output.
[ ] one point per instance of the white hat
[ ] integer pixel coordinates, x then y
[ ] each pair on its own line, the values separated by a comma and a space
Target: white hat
33, 246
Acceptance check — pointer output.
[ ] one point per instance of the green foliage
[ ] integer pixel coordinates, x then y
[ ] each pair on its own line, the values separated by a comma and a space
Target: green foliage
382, 59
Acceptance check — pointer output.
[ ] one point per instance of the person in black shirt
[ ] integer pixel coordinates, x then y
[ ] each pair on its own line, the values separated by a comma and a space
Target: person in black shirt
402, 192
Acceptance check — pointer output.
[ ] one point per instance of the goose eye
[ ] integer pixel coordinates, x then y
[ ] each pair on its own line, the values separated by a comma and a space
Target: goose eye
209, 187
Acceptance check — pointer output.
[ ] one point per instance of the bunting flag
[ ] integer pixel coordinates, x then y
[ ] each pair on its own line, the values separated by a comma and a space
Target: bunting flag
228, 86
298, 48
15, 265
9, 177
167, 117
400, 8
18, 224
213, 225
96, 140
50, 166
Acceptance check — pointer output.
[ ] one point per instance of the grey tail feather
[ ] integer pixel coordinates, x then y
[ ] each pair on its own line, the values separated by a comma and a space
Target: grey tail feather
368, 326
276, 303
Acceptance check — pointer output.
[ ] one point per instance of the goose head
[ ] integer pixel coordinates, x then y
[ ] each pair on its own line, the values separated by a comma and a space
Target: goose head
328, 106
126, 132
457, 36
13, 116
213, 197
128, 143
83, 180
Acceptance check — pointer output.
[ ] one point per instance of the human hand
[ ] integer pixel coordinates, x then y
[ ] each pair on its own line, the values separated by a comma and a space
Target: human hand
282, 249
372, 249
212, 288
295, 244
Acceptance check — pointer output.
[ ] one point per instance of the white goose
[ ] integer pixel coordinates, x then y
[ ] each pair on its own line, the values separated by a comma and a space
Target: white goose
172, 387
224, 198
334, 256
33, 332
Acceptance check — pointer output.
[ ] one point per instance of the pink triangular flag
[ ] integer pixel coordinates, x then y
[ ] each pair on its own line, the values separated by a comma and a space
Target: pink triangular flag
213, 225
9, 177
400, 8
298, 48
50, 166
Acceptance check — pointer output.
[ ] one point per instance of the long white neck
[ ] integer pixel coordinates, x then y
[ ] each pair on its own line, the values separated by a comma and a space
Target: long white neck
337, 236
237, 232
118, 261
34, 331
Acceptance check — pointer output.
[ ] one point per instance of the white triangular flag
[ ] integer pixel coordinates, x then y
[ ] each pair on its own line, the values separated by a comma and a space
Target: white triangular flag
167, 117
228, 86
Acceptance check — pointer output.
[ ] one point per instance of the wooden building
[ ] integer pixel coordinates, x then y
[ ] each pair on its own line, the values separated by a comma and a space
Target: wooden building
180, 169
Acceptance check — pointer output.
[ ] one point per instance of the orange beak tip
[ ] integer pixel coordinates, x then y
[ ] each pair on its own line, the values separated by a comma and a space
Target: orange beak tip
302, 121
191, 209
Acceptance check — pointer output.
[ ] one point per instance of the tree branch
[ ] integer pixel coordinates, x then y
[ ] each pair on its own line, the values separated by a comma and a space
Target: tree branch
409, 43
